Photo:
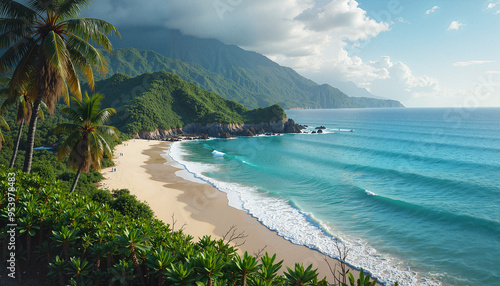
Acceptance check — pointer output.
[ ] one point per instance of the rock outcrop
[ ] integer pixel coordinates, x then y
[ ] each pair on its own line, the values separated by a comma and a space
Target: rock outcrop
221, 130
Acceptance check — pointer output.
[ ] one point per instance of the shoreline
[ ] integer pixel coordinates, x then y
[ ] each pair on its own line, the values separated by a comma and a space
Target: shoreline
198, 207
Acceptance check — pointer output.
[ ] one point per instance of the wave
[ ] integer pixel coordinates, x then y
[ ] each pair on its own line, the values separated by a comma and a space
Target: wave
448, 219
217, 153
434, 143
289, 221
484, 168
370, 193
447, 186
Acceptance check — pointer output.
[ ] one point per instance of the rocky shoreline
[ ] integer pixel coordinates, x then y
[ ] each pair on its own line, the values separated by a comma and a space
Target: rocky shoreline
221, 130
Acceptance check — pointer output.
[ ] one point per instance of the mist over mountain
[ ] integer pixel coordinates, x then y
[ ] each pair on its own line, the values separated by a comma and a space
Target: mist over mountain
236, 74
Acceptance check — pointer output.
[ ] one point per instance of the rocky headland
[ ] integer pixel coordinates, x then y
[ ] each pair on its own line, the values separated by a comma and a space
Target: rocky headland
221, 130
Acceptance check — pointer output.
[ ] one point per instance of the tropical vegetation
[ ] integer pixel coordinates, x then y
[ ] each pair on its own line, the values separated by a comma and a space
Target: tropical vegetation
67, 238
88, 138
162, 100
45, 48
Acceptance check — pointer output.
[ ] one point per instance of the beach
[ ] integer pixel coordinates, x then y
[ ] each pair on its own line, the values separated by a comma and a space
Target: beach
198, 208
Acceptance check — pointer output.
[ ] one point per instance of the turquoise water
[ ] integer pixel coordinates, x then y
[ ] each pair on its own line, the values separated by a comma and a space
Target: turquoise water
414, 193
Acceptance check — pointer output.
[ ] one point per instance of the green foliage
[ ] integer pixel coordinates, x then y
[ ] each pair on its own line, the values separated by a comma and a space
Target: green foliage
163, 100
362, 281
83, 242
45, 170
102, 196
300, 276
245, 77
130, 206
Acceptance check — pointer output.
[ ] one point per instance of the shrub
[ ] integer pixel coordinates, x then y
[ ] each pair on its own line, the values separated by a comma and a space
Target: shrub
129, 205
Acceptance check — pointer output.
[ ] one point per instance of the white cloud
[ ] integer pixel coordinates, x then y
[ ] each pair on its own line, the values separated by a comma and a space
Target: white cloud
491, 5
314, 39
344, 18
470, 63
432, 10
455, 25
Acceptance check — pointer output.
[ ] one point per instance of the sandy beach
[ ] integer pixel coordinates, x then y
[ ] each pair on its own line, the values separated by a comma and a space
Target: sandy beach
198, 208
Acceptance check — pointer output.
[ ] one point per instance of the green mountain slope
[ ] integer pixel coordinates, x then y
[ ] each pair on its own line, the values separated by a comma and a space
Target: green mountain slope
162, 100
247, 77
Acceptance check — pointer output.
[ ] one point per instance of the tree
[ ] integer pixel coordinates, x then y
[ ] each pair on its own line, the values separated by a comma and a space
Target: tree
6, 126
88, 138
23, 103
46, 47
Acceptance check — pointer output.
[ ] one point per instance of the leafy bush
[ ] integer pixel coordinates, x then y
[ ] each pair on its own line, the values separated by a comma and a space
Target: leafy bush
69, 239
102, 196
130, 206
45, 170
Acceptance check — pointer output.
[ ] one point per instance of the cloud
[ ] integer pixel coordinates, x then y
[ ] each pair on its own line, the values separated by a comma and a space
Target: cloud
491, 5
317, 38
344, 18
455, 25
470, 63
432, 10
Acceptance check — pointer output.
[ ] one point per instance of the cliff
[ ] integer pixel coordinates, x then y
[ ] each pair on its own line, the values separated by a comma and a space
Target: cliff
162, 104
222, 130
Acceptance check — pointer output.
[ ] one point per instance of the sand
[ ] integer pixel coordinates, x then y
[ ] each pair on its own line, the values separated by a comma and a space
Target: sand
196, 207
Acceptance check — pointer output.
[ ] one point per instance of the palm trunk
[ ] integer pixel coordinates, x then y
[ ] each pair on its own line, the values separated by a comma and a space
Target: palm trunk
137, 267
31, 135
76, 179
14, 152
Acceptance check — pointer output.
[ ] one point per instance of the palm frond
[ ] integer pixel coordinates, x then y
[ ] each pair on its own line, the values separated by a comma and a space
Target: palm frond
72, 8
43, 6
21, 75
14, 9
55, 51
108, 131
11, 37
82, 64
103, 116
5, 81
3, 123
73, 82
68, 144
40, 110
92, 55
13, 55
65, 94
66, 128
95, 30
75, 116
96, 149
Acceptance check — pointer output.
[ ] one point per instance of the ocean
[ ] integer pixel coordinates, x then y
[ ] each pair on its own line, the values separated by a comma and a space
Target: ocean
414, 193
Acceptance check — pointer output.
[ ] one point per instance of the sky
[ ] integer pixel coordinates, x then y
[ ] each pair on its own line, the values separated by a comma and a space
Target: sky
424, 53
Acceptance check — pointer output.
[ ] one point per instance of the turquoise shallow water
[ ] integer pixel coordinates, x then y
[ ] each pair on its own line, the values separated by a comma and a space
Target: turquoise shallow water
414, 193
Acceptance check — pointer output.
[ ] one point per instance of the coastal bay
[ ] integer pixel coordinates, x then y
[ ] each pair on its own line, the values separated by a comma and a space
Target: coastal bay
197, 207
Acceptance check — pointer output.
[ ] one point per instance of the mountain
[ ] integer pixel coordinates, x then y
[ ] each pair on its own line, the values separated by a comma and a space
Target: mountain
350, 88
244, 76
163, 101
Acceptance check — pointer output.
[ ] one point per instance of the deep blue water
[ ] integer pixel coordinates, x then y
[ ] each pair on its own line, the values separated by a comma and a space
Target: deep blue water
414, 193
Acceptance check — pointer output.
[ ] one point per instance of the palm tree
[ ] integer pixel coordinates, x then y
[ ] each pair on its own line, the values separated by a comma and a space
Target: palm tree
6, 126
301, 276
45, 47
245, 267
22, 101
88, 138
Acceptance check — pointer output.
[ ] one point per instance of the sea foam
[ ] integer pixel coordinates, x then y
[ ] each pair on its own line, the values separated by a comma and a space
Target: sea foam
290, 222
